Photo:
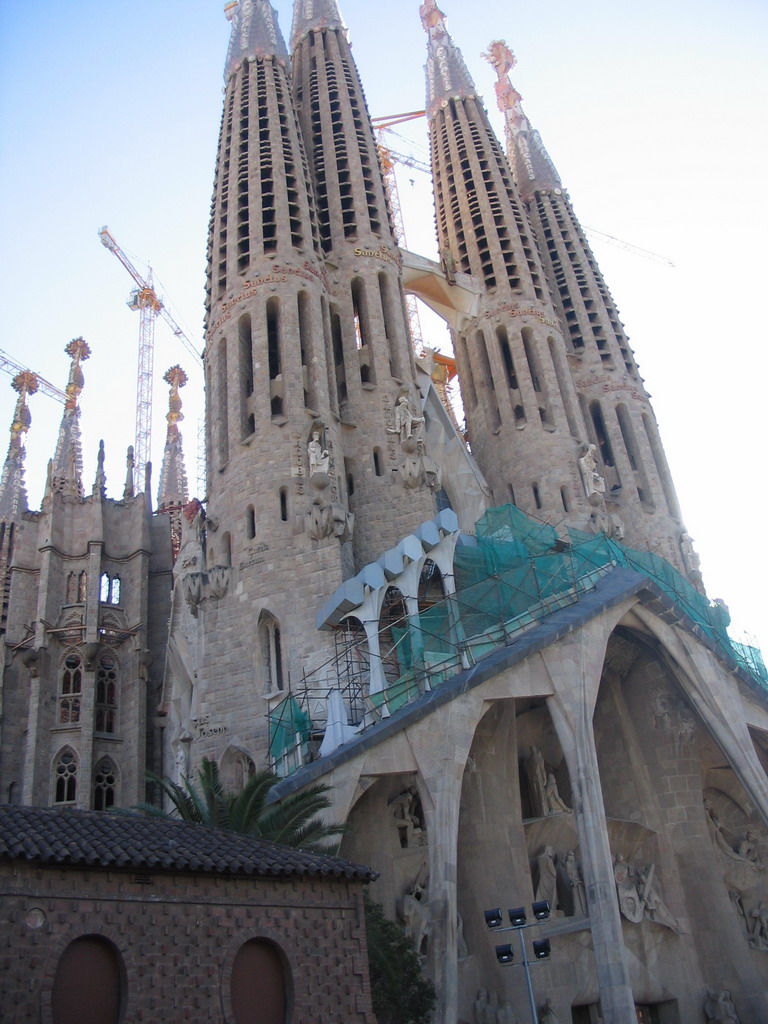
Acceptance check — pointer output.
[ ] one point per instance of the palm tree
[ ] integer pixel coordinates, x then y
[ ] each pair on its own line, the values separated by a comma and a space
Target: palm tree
292, 821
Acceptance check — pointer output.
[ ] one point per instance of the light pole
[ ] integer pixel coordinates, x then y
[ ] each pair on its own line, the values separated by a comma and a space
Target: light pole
518, 923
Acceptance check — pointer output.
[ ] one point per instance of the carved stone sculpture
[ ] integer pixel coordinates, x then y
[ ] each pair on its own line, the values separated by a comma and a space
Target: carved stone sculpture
546, 887
630, 903
654, 907
576, 882
218, 580
414, 912
594, 483
406, 420
408, 817
537, 781
719, 1007
758, 938
319, 457
555, 803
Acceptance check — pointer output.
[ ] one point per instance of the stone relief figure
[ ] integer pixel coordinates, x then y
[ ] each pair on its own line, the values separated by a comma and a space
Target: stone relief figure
409, 818
462, 950
319, 522
537, 781
546, 887
547, 1015
758, 938
747, 849
576, 882
413, 910
594, 483
191, 556
630, 903
319, 457
554, 802
689, 556
405, 419
654, 907
717, 828
719, 1007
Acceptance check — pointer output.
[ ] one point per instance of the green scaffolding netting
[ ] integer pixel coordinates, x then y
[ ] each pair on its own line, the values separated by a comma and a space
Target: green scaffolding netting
514, 572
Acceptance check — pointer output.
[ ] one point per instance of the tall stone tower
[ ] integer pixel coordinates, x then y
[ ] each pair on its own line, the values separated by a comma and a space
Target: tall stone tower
523, 415
369, 350
612, 398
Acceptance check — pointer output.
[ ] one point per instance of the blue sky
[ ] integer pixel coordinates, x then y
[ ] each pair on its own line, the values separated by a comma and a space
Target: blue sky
654, 115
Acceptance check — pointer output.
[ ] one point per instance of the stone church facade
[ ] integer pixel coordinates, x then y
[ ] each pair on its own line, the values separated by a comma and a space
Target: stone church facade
493, 642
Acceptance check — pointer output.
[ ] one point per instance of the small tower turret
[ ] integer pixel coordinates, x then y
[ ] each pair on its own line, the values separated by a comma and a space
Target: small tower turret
67, 470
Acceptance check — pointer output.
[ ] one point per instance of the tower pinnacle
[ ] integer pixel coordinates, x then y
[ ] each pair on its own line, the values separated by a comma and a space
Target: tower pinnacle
531, 164
13, 495
255, 33
66, 475
309, 15
447, 74
173, 488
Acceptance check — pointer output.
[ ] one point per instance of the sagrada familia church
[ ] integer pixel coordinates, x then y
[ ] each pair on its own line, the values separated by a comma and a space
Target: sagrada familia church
492, 640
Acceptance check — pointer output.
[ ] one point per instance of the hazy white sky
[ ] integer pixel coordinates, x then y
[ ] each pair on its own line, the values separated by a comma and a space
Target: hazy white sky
654, 115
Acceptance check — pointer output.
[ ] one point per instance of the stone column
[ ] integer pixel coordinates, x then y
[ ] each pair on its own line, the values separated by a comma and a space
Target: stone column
575, 666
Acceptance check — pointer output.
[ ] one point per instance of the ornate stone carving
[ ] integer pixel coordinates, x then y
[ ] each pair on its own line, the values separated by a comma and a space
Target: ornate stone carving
554, 802
719, 1007
639, 895
573, 874
319, 457
409, 818
413, 910
546, 887
218, 580
758, 920
594, 483
537, 781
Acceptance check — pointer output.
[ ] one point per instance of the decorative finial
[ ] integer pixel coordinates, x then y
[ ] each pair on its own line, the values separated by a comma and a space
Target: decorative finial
447, 74
129, 490
531, 165
100, 483
173, 489
13, 495
78, 350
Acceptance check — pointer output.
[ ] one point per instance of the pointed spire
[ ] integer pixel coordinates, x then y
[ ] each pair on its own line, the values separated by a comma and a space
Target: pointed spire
13, 493
100, 483
67, 470
310, 15
255, 34
130, 463
447, 75
531, 164
173, 489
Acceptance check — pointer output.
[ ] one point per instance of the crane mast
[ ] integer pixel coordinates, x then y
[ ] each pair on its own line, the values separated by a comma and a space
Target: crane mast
144, 299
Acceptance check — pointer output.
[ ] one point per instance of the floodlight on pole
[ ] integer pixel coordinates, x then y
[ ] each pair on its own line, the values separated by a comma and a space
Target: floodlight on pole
518, 922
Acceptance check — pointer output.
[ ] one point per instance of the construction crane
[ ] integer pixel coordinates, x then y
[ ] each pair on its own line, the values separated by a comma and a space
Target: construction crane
146, 301
11, 367
385, 124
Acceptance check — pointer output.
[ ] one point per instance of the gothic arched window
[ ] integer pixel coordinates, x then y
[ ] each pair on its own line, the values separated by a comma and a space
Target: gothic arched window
105, 710
104, 784
65, 777
70, 690
271, 652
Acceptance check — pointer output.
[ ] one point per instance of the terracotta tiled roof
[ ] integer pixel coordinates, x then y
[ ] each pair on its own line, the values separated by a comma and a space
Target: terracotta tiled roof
102, 839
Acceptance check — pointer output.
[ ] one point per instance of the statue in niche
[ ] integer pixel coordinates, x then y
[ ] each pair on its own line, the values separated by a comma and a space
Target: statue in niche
191, 556
537, 781
758, 937
719, 1007
319, 457
594, 482
413, 910
546, 887
576, 882
409, 818
72, 588
750, 854
554, 802
405, 419
547, 1015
